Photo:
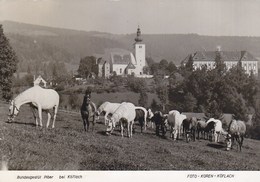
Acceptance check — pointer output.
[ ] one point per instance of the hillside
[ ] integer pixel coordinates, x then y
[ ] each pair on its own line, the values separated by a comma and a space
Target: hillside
43, 44
68, 147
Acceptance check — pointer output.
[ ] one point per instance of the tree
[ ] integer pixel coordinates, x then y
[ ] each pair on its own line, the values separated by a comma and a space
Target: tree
149, 61
186, 69
87, 67
163, 65
190, 102
162, 93
8, 66
213, 110
155, 106
143, 100
220, 66
172, 68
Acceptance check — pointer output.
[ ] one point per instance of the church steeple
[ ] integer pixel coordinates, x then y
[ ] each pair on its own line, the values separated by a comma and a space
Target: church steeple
138, 35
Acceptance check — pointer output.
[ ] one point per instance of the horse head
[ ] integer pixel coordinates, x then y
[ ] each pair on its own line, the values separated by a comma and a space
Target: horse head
110, 125
228, 141
13, 111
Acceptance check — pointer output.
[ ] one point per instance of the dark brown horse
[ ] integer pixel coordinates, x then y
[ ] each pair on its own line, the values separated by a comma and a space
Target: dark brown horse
160, 123
88, 110
190, 128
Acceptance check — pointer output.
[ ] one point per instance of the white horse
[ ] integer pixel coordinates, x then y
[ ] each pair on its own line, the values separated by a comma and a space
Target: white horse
175, 120
38, 98
108, 108
124, 115
216, 126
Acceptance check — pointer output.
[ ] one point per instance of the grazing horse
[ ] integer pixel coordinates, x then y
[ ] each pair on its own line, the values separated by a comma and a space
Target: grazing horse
141, 116
190, 128
125, 115
175, 120
107, 108
214, 125
150, 116
160, 122
236, 130
88, 110
201, 129
38, 98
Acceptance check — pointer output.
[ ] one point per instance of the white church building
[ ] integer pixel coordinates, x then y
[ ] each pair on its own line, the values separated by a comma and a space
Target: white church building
123, 62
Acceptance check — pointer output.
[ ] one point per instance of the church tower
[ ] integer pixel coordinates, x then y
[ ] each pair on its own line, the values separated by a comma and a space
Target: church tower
139, 53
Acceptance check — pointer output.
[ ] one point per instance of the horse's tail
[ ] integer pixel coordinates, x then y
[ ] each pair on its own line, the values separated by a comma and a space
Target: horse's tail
145, 114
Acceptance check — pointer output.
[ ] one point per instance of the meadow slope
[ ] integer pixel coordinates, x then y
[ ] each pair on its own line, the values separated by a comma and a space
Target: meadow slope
67, 147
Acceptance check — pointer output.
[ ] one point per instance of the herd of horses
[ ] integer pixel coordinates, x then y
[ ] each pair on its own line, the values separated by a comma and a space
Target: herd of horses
126, 114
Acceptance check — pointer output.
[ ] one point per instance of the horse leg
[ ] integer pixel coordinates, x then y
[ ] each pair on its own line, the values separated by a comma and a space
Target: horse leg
83, 116
87, 124
122, 130
40, 114
141, 122
128, 129
145, 124
187, 136
131, 129
175, 134
93, 124
105, 117
34, 115
157, 128
54, 116
232, 141
49, 118
215, 137
171, 131
84, 124
241, 143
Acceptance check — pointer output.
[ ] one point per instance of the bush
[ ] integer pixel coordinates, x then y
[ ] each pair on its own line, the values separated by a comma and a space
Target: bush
74, 101
60, 87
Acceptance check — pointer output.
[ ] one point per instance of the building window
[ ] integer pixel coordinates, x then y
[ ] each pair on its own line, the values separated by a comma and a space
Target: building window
140, 46
120, 70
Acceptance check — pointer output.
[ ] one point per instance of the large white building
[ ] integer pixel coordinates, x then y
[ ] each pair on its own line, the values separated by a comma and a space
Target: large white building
123, 62
230, 58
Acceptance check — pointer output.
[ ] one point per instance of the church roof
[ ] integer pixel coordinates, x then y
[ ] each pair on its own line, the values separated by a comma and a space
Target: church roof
225, 56
117, 56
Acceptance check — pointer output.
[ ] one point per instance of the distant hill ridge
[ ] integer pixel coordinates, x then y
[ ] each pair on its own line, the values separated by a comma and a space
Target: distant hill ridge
58, 44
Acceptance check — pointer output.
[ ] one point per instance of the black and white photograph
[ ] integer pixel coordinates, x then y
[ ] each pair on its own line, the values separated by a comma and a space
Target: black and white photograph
135, 90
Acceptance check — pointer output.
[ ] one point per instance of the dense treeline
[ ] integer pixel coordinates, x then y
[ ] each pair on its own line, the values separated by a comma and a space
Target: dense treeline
8, 65
214, 91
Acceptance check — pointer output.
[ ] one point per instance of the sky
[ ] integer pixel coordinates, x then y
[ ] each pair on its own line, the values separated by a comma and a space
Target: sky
204, 17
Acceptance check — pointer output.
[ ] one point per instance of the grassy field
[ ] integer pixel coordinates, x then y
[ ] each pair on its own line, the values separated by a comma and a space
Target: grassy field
67, 147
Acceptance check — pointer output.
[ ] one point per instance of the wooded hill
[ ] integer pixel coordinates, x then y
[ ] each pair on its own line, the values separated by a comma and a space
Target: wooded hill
38, 44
